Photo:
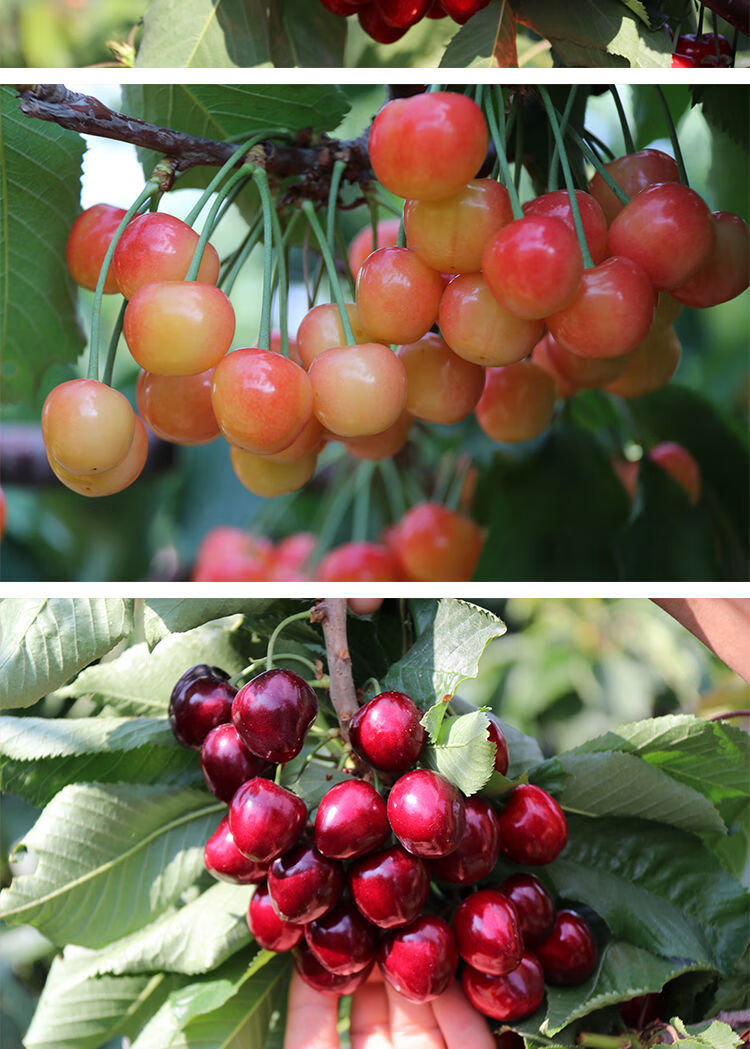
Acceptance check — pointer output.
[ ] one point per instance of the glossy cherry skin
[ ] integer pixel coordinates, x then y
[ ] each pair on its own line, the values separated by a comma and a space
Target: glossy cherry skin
680, 465
633, 173
542, 357
478, 848
708, 49
227, 763
533, 266
397, 295
510, 997
402, 14
389, 887
580, 372
487, 934
228, 554
434, 544
108, 482
267, 476
269, 931
375, 25
518, 402
420, 960
533, 828
292, 555
304, 884
342, 941
382, 445
362, 243
497, 736
568, 955
178, 408
387, 732
272, 714
442, 387
534, 906
649, 366
428, 146
426, 813
320, 979
225, 861
157, 247
358, 390
321, 329
265, 819
351, 821
725, 274
88, 242
87, 426
200, 700
557, 203
462, 10
479, 329
359, 562
668, 230
343, 8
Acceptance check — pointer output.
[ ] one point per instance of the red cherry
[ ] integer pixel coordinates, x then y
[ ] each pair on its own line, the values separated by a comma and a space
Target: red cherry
568, 955
649, 366
88, 242
304, 884
557, 203
292, 555
542, 357
225, 861
376, 26
200, 700
426, 813
269, 931
534, 906
320, 979
436, 544
178, 408
479, 329
420, 960
227, 763
321, 329
509, 997
708, 49
265, 819
462, 10
351, 821
342, 7
272, 714
227, 554
359, 562
389, 888
725, 275
342, 941
633, 173
478, 848
643, 1010
441, 386
382, 445
402, 14
573, 371
343, 379
387, 732
487, 934
680, 465
362, 243
497, 736
533, 828
518, 402
158, 247
397, 295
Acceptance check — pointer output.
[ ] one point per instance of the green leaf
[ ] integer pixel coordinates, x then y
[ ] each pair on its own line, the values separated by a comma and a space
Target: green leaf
716, 1035
40, 756
138, 845
45, 641
446, 652
487, 39
462, 752
305, 34
40, 169
165, 616
725, 111
310, 781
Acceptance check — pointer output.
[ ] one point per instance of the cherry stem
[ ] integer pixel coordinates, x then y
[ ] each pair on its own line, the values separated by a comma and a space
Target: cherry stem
626, 133
731, 714
604, 1041
588, 262
331, 614
592, 158
385, 202
284, 623
114, 341
226, 167
208, 225
280, 241
333, 195
335, 512
555, 161
312, 218
261, 181
455, 491
361, 516
240, 257
673, 137
518, 145
375, 684
394, 488
497, 133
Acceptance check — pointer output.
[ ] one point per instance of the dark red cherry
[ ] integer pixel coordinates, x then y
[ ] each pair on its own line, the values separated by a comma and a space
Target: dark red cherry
265, 819
478, 847
304, 884
389, 888
534, 906
227, 763
462, 10
318, 977
225, 861
344, 8
351, 821
401, 14
497, 736
342, 941
420, 960
376, 26
201, 700
426, 813
387, 732
272, 714
533, 828
568, 955
266, 926
510, 997
643, 1010
487, 934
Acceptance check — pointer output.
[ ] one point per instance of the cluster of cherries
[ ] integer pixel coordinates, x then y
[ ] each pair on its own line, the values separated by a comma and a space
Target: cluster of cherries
387, 20
696, 50
352, 886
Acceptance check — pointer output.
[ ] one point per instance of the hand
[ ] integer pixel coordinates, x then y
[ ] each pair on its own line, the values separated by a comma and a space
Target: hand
721, 623
382, 1019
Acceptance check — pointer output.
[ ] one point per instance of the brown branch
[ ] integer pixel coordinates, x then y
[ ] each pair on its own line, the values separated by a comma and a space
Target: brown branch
331, 614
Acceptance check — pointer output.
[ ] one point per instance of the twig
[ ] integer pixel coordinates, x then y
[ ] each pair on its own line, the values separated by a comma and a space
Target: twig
331, 614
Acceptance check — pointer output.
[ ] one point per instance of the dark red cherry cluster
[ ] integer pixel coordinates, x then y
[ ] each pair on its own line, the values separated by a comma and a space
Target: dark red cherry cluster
351, 886
387, 20
702, 49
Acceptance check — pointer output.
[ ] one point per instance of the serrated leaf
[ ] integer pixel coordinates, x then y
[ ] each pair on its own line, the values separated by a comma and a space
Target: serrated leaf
446, 652
725, 111
310, 781
44, 642
40, 170
487, 39
462, 752
138, 845
305, 34
165, 616
434, 717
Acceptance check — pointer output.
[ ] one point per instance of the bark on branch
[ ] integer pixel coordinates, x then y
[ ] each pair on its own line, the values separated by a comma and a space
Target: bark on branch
331, 614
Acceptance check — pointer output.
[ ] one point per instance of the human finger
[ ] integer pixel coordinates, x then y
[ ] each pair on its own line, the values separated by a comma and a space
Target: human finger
370, 1022
459, 1022
413, 1026
312, 1018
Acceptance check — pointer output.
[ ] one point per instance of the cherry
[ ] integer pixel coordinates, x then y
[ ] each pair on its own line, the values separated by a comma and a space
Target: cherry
108, 482
568, 955
344, 382
518, 402
442, 387
362, 243
382, 445
510, 997
533, 829
87, 426
292, 555
321, 329
462, 10
643, 1010
542, 357
265, 819
581, 372
402, 14
397, 295
725, 274
362, 606
268, 476
376, 26
269, 931
496, 735
200, 700
261, 400
344, 8
272, 714
428, 146
487, 934
534, 906
321, 979
158, 247
649, 366
633, 173
228, 554
178, 327
436, 544
708, 49
478, 848
594, 223
436, 10
668, 230
178, 408
225, 861
387, 732
420, 960
449, 235
627, 472
351, 821
88, 242
227, 763
342, 941
304, 884
479, 329
533, 266
426, 813
680, 465
360, 562
390, 887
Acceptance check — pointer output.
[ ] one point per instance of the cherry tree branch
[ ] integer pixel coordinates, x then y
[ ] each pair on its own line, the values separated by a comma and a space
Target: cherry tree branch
331, 614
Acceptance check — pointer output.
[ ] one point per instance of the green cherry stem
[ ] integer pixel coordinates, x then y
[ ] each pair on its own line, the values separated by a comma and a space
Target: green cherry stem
496, 125
114, 340
261, 181
673, 136
229, 277
393, 487
280, 626
592, 158
235, 159
588, 262
312, 218
554, 163
208, 226
627, 136
339, 167
361, 513
282, 243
